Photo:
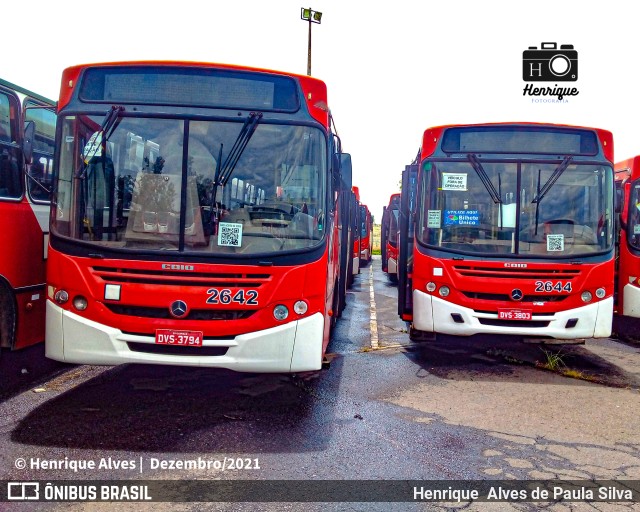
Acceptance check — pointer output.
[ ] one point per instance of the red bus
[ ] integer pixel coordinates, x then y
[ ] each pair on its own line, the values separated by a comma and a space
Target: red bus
357, 223
196, 218
389, 237
507, 228
366, 232
27, 131
345, 227
628, 244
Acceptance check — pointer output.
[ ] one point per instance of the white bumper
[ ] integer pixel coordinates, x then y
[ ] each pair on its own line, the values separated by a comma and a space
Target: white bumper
432, 314
291, 347
356, 266
392, 266
631, 301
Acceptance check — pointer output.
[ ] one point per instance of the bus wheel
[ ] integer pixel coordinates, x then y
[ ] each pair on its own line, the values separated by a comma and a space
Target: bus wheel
421, 336
7, 316
335, 306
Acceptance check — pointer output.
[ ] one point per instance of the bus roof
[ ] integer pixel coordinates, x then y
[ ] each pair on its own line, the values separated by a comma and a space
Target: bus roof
629, 168
432, 136
26, 92
314, 89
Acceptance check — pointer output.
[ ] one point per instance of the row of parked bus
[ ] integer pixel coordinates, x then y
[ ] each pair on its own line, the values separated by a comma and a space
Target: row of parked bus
515, 228
194, 214
205, 215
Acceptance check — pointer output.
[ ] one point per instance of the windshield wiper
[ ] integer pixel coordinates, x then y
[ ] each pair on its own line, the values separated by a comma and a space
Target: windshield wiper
223, 173
99, 138
552, 179
484, 178
541, 192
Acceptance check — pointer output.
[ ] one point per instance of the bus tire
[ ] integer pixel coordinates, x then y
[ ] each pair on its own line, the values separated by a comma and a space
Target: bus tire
335, 307
421, 336
7, 316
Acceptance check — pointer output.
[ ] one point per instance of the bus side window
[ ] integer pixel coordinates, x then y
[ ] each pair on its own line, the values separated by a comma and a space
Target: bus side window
9, 175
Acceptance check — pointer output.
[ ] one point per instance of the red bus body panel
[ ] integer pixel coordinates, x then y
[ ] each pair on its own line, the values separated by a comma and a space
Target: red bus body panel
628, 265
150, 286
23, 267
475, 285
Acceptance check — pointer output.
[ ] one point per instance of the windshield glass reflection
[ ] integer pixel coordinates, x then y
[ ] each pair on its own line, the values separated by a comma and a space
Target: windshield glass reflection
497, 207
179, 185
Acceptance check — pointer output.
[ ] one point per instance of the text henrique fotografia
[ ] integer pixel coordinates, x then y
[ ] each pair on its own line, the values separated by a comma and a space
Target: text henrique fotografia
550, 64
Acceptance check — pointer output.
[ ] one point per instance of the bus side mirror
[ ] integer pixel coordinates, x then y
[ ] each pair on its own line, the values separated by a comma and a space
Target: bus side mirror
27, 141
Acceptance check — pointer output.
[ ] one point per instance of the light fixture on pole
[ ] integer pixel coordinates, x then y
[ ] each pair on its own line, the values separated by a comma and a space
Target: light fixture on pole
312, 17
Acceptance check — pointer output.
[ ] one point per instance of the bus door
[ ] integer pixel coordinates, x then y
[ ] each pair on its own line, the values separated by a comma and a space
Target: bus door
629, 255
346, 240
384, 233
405, 247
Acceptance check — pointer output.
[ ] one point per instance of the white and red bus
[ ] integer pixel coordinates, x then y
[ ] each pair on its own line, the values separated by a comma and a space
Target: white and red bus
389, 237
628, 244
508, 228
27, 131
196, 218
357, 223
366, 235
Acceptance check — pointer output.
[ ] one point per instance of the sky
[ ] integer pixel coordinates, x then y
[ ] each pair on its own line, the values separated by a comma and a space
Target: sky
392, 69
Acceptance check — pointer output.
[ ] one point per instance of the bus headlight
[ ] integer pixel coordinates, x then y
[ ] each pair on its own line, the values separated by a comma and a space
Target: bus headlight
280, 312
80, 303
600, 293
300, 307
586, 296
61, 297
431, 287
444, 291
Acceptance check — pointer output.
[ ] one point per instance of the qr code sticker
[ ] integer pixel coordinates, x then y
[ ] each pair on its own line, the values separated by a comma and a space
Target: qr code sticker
555, 243
230, 234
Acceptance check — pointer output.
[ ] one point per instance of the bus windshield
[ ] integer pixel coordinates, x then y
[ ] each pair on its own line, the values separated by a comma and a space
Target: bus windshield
526, 207
212, 187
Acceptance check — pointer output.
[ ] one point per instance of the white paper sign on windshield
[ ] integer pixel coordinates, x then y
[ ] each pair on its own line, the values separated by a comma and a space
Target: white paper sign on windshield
454, 181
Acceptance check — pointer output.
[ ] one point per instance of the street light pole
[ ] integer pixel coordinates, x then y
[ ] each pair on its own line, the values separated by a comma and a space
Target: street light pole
309, 51
312, 17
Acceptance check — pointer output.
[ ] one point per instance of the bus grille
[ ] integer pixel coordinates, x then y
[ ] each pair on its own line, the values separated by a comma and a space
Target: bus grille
194, 314
515, 273
506, 297
172, 350
166, 277
514, 323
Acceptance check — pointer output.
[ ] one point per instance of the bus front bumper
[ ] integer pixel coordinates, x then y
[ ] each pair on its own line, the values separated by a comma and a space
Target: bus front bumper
432, 314
631, 301
292, 347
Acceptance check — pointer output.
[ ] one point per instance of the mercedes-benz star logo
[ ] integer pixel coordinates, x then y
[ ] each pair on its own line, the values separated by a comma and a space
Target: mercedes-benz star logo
516, 294
178, 309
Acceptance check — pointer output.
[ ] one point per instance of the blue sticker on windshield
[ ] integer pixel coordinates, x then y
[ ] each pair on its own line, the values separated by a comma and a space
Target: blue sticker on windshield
461, 217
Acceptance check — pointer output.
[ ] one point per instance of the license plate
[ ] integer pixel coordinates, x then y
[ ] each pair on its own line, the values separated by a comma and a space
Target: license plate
180, 338
514, 314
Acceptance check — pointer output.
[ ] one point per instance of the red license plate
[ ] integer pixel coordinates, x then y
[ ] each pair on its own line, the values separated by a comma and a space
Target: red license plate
514, 314
180, 338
